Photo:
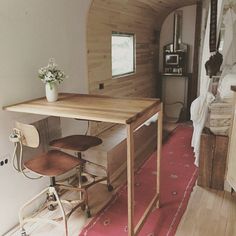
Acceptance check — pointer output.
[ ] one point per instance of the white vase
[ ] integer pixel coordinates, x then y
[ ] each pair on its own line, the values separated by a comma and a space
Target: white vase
51, 92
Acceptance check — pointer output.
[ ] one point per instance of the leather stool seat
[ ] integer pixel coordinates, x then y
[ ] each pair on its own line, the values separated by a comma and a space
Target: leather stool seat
52, 163
78, 143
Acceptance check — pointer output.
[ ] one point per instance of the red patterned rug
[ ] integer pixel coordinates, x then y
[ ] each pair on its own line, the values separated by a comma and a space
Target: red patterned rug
178, 176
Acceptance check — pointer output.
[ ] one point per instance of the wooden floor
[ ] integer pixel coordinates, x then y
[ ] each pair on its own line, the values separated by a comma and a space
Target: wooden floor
209, 213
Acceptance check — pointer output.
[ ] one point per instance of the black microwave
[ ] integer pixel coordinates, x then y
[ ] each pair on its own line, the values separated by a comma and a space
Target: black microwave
175, 62
172, 59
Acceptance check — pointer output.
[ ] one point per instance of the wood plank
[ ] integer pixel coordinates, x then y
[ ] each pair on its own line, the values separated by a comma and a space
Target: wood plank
159, 148
112, 153
143, 116
146, 214
130, 179
209, 213
219, 163
88, 107
207, 147
212, 162
122, 16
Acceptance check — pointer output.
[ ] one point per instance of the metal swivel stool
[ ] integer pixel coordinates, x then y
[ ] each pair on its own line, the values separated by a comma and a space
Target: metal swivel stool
50, 164
79, 144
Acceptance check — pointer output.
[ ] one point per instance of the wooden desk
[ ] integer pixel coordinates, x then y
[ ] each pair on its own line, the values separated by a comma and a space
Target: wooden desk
129, 111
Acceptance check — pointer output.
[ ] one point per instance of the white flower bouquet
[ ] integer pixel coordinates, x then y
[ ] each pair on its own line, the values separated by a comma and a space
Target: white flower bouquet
51, 74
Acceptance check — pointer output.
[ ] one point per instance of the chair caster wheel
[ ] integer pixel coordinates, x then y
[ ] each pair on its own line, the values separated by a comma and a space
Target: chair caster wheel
88, 214
110, 188
23, 232
84, 179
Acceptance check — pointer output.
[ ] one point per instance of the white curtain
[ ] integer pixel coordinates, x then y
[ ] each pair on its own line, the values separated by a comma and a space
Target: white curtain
229, 47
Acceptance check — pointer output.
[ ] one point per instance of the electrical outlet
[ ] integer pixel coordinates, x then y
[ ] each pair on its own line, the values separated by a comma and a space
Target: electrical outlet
4, 160
101, 86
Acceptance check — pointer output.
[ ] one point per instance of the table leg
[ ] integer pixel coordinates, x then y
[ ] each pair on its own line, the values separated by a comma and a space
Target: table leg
130, 179
159, 147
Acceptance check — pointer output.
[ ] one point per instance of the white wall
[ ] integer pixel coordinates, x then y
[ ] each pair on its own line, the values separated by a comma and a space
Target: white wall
188, 33
31, 33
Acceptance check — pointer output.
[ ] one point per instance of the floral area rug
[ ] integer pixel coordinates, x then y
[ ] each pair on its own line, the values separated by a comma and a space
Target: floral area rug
178, 177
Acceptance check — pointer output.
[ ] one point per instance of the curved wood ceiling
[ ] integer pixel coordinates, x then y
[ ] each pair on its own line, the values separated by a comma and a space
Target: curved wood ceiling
161, 6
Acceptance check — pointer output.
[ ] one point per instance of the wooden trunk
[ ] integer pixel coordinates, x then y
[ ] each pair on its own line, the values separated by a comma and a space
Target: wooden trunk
220, 118
212, 163
112, 153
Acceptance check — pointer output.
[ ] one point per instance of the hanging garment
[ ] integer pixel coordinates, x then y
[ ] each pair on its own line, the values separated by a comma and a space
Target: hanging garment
215, 61
213, 64
199, 111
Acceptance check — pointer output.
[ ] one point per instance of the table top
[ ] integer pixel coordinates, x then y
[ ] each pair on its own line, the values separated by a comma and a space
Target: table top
89, 107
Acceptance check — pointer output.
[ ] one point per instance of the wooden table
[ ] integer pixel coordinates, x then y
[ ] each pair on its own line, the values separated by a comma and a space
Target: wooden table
132, 112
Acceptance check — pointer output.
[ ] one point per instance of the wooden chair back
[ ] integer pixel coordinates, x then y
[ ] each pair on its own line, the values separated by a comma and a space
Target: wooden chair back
30, 135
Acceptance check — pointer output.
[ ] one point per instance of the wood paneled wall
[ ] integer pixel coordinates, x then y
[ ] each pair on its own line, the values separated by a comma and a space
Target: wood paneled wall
144, 19
126, 16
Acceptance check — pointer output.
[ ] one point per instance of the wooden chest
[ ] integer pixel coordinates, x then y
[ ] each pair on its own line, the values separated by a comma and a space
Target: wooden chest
220, 118
112, 153
212, 160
